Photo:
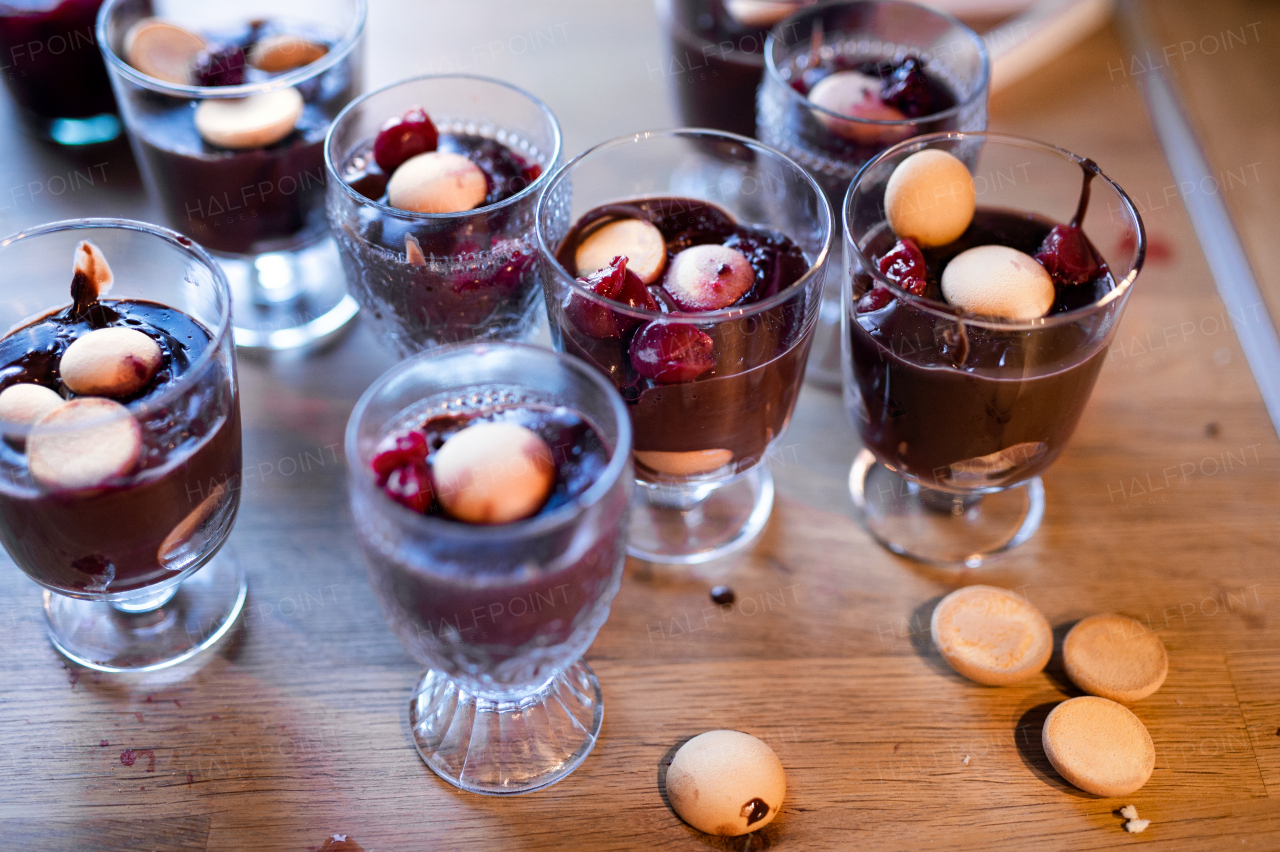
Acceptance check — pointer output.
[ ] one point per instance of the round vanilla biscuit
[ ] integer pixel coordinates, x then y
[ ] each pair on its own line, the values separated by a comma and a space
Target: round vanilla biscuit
991, 635
998, 281
114, 362
23, 404
708, 277
493, 473
1098, 746
930, 198
640, 242
726, 783
437, 182
162, 50
689, 463
1114, 657
284, 52
83, 443
253, 122
857, 96
760, 13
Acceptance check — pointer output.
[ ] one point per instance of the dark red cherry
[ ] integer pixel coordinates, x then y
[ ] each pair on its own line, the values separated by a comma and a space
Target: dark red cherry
1066, 256
220, 67
410, 485
591, 317
401, 138
633, 294
874, 299
907, 89
671, 352
396, 450
904, 265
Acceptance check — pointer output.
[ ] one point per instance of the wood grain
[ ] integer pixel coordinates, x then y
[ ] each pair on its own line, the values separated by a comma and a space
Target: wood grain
1163, 508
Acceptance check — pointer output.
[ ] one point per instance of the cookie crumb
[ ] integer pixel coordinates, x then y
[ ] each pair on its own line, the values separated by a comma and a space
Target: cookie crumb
1137, 826
966, 760
1129, 812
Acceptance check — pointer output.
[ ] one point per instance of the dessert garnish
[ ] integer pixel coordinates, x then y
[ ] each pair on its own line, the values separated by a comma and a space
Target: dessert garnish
1115, 657
23, 404
991, 635
83, 443
162, 50
685, 462
670, 352
708, 277
998, 281
284, 52
639, 241
174, 54
930, 198
854, 94
113, 362
760, 14
402, 138
1098, 746
493, 473
437, 182
726, 783
256, 121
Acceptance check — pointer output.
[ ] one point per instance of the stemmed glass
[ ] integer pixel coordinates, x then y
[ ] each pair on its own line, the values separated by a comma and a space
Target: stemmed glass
960, 414
701, 446
131, 577
259, 210
856, 32
500, 614
430, 279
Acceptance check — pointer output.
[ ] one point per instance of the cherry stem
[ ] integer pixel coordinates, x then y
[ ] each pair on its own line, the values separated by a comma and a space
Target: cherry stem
1090, 169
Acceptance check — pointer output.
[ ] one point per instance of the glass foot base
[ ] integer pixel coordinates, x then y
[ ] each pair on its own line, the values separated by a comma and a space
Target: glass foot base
149, 634
689, 524
289, 300
937, 526
73, 132
506, 747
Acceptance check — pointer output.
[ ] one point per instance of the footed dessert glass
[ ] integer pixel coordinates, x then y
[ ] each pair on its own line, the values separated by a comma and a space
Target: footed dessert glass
259, 210
432, 279
851, 33
711, 436
130, 569
500, 614
959, 414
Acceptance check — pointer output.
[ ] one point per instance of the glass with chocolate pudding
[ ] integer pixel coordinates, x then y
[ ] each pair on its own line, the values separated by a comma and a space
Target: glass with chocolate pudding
227, 105
491, 486
988, 275
715, 58
844, 81
120, 456
433, 182
687, 266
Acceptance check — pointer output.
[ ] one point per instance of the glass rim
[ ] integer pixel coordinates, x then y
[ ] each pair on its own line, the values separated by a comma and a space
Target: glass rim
773, 75
619, 457
337, 53
217, 336
942, 310
534, 186
688, 317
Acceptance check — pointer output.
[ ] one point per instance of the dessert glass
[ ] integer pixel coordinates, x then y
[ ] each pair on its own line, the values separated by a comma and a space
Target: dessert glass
55, 72
431, 279
960, 414
715, 58
260, 211
500, 614
687, 519
130, 573
875, 30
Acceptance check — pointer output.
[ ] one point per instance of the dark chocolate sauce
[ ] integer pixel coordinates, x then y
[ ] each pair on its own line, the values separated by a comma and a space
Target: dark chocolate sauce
755, 810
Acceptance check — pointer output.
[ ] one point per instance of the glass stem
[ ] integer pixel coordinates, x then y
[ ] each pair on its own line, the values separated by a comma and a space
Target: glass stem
146, 603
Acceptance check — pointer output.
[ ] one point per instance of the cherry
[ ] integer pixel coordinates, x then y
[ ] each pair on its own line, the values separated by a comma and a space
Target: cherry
410, 485
907, 89
671, 352
590, 316
221, 67
401, 138
397, 450
904, 265
1066, 255
874, 299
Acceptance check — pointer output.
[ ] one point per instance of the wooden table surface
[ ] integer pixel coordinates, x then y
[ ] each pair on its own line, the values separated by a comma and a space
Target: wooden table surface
1163, 507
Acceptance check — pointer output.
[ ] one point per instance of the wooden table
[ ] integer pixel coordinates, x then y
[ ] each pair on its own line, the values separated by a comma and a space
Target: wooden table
1163, 507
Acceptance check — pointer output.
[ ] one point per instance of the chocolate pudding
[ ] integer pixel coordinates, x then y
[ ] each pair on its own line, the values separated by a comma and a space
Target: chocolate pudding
731, 384
544, 592
145, 524
967, 406
51, 61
